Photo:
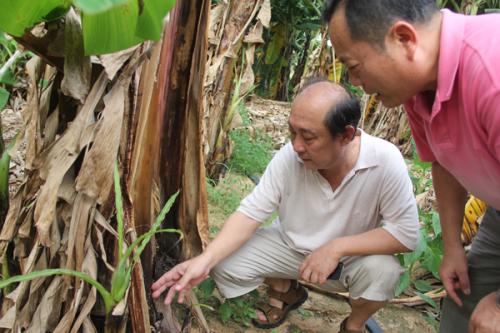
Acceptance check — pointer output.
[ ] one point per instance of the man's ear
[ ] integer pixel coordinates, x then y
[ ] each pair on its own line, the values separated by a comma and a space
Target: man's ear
349, 134
404, 35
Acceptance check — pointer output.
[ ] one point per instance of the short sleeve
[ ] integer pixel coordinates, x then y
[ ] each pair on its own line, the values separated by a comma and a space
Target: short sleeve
398, 207
266, 196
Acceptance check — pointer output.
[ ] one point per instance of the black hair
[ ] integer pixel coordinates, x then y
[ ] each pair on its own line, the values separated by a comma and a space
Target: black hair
345, 112
369, 20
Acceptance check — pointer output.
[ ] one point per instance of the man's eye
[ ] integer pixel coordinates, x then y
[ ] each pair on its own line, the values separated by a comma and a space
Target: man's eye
352, 67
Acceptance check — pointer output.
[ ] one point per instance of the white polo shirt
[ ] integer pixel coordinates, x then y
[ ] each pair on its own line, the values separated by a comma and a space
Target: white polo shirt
376, 192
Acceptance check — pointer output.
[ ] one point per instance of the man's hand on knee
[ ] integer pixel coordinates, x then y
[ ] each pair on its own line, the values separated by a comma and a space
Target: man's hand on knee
319, 264
486, 316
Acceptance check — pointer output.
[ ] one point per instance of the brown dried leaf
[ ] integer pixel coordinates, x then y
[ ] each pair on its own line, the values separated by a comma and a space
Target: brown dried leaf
96, 174
88, 326
215, 22
255, 34
265, 14
30, 112
82, 209
89, 267
47, 314
248, 78
113, 62
77, 66
57, 161
9, 319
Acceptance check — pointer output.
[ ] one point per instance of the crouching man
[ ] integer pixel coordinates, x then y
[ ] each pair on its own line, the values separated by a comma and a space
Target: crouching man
342, 196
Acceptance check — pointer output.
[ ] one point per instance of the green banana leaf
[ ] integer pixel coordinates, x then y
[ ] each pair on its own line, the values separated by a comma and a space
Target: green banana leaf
108, 25
18, 15
97, 6
150, 22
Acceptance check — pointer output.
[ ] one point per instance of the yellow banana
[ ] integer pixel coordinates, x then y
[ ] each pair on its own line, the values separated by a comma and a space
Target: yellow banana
474, 209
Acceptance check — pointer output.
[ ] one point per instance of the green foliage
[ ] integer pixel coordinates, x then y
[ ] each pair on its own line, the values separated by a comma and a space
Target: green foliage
4, 174
429, 251
470, 7
97, 6
251, 153
150, 21
239, 309
226, 195
292, 22
4, 97
108, 25
18, 15
120, 280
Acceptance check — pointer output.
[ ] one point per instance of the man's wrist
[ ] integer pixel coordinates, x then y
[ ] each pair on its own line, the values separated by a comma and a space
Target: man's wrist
337, 248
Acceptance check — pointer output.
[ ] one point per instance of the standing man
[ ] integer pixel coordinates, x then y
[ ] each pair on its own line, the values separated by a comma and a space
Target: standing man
341, 195
445, 68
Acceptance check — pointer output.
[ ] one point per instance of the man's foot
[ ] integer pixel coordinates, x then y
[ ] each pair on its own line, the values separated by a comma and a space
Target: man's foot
272, 315
344, 329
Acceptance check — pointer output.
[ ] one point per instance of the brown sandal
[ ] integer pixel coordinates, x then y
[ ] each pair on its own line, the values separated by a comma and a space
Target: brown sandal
343, 328
292, 299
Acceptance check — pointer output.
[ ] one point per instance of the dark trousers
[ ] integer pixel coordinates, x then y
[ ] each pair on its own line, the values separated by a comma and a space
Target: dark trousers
484, 274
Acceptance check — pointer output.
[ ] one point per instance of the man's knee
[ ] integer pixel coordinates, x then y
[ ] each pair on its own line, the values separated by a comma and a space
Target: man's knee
375, 277
384, 267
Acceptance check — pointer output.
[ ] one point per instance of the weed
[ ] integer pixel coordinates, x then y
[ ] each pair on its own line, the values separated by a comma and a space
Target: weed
252, 151
227, 194
429, 251
305, 313
240, 309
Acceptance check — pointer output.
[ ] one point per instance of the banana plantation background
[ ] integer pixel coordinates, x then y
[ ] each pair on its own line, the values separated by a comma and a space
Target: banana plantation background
152, 87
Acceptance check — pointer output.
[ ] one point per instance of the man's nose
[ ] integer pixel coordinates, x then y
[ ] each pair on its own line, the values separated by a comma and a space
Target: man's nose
354, 79
298, 145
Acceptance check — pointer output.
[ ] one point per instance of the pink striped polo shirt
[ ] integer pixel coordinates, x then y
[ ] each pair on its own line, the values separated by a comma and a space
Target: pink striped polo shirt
462, 129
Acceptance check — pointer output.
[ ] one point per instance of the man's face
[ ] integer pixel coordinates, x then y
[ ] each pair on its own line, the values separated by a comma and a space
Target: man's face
382, 72
310, 138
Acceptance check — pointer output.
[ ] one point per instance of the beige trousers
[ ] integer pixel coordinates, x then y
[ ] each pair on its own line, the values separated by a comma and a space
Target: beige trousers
372, 277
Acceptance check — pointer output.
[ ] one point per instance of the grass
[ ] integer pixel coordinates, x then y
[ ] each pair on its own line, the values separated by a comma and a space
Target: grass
252, 149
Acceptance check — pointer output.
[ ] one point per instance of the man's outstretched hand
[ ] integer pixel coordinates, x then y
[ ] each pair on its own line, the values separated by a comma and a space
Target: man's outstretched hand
181, 279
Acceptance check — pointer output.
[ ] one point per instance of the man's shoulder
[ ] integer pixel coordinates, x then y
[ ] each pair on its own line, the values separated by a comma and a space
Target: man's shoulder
382, 147
379, 155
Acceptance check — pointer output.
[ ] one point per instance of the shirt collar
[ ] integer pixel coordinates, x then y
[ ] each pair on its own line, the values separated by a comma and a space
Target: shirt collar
450, 51
367, 154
